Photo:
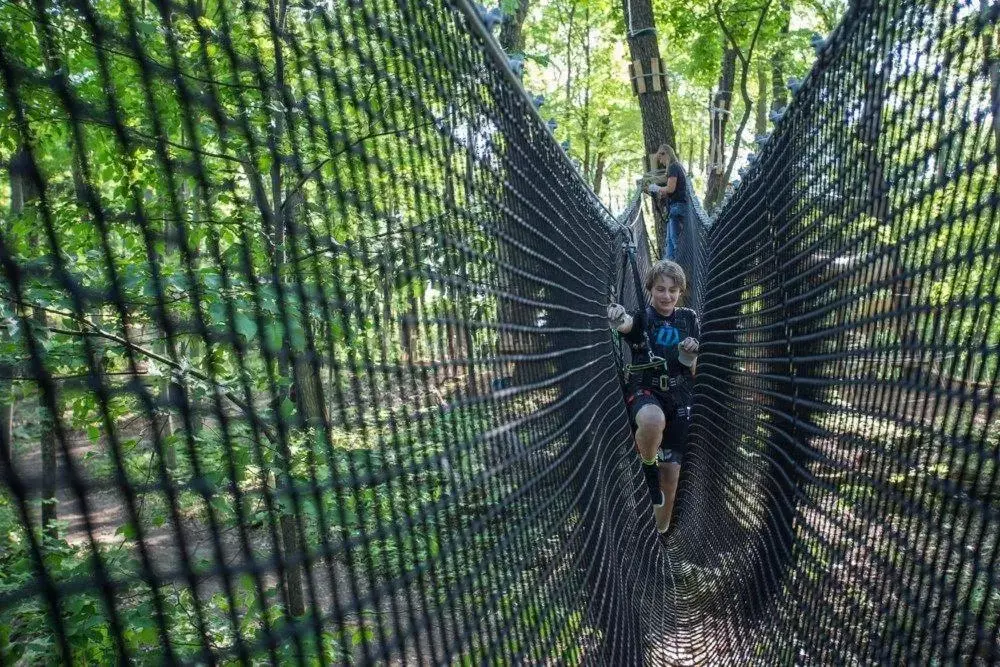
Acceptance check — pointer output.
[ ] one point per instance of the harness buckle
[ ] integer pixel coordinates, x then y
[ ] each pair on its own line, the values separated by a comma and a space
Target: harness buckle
668, 381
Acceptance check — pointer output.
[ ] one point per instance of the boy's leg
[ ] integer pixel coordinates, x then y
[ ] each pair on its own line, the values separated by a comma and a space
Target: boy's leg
670, 473
649, 422
675, 444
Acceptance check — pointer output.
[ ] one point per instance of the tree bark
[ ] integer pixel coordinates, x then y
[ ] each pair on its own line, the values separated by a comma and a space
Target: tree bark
289, 530
599, 172
585, 111
569, 63
701, 155
47, 445
719, 118
6, 416
779, 93
760, 118
163, 420
512, 28
654, 106
990, 44
23, 191
276, 228
746, 61
600, 162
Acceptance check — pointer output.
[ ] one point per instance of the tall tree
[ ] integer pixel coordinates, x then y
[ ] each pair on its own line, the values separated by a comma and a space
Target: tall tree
745, 60
779, 94
654, 102
760, 118
721, 109
23, 192
600, 161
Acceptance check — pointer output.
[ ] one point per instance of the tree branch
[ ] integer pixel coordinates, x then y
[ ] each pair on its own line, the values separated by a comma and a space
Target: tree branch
97, 332
347, 147
744, 73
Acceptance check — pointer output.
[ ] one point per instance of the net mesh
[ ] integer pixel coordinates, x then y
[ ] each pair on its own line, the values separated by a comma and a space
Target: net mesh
304, 355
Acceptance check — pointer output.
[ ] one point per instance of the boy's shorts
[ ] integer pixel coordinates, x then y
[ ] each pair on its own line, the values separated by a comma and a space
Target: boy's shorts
673, 446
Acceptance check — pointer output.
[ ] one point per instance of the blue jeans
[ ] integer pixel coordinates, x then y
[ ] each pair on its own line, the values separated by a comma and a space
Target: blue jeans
675, 223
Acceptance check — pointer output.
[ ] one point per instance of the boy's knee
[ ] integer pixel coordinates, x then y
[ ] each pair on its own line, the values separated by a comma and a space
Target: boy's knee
650, 417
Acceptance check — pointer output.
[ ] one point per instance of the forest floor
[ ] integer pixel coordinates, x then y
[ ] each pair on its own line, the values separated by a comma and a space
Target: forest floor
105, 508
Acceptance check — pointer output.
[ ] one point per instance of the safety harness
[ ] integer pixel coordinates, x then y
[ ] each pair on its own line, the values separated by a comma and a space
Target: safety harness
656, 371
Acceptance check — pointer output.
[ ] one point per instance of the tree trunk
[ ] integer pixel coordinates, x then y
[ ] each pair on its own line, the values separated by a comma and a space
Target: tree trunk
512, 28
760, 118
779, 93
585, 112
276, 227
603, 128
569, 62
877, 190
701, 155
599, 173
990, 45
719, 118
47, 444
163, 420
23, 191
289, 530
7, 386
654, 105
6, 415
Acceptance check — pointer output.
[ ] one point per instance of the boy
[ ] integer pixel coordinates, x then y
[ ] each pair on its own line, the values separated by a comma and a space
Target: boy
664, 341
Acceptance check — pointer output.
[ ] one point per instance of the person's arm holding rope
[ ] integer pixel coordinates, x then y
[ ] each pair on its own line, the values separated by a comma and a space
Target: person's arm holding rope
620, 320
662, 192
689, 352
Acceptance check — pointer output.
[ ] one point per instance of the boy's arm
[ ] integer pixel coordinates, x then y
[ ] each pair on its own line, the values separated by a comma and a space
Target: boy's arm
697, 337
629, 325
634, 333
619, 319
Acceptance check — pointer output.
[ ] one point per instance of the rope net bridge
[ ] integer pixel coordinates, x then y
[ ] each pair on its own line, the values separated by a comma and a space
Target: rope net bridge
304, 355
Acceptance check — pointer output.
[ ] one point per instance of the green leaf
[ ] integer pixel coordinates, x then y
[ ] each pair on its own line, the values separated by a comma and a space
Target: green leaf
273, 334
127, 530
245, 326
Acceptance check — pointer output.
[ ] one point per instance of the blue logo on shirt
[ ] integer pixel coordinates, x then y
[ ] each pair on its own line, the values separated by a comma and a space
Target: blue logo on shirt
668, 336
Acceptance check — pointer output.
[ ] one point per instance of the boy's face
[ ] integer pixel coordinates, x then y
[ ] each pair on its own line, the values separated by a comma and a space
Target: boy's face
665, 295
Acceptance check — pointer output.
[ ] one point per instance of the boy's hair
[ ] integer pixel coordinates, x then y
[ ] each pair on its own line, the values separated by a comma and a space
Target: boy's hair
666, 269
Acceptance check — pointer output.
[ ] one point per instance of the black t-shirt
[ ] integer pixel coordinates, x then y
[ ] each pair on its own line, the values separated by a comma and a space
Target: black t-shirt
664, 333
679, 195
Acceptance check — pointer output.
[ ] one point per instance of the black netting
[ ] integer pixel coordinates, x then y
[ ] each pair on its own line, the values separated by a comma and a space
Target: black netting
847, 423
304, 356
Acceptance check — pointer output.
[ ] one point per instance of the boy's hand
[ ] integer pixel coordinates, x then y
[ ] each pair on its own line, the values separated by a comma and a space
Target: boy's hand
618, 318
689, 345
